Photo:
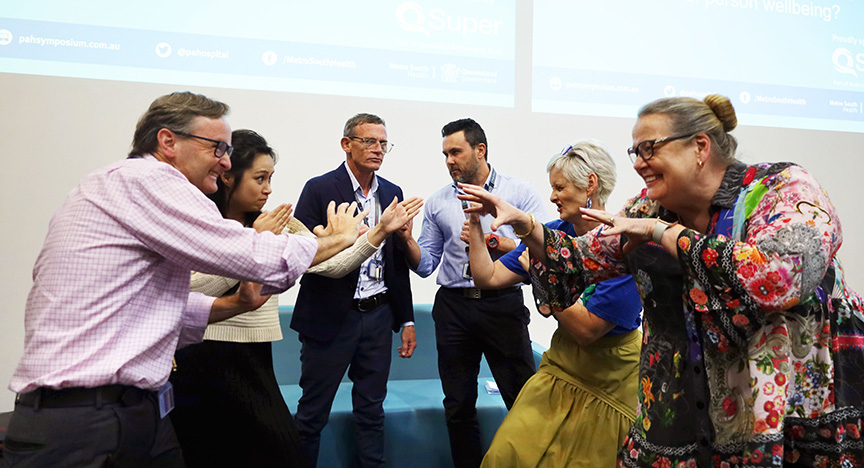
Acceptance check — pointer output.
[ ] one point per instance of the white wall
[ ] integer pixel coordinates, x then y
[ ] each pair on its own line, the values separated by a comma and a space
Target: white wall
55, 130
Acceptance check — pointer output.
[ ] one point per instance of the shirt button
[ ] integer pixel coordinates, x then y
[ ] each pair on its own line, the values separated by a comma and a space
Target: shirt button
697, 369
700, 405
703, 442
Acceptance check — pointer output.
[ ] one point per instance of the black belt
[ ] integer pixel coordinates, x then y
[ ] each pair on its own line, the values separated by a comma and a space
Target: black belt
369, 303
78, 396
477, 293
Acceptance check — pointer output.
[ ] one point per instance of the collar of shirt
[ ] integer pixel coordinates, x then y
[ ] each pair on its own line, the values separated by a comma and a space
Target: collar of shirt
365, 202
441, 245
486, 184
356, 185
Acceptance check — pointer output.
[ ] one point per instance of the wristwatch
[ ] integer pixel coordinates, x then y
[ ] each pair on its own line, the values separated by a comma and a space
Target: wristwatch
659, 228
492, 241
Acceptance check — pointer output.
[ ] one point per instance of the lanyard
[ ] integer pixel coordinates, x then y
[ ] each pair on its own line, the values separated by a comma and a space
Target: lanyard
491, 185
377, 207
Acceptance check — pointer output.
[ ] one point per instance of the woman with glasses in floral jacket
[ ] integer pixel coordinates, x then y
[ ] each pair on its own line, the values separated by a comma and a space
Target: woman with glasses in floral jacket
753, 350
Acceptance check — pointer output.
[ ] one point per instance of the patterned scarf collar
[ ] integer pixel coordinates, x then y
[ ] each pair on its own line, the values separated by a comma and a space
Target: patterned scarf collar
738, 175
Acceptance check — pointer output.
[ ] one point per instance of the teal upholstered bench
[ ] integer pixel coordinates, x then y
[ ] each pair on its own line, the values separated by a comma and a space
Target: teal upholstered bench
415, 429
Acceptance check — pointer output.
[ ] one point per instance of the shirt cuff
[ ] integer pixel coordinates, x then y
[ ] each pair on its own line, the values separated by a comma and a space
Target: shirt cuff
296, 257
407, 324
194, 319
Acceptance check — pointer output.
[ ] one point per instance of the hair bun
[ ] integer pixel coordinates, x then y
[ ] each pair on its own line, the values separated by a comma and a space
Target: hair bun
722, 108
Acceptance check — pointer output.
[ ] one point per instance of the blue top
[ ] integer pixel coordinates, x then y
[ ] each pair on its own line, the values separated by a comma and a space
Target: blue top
443, 218
511, 258
615, 300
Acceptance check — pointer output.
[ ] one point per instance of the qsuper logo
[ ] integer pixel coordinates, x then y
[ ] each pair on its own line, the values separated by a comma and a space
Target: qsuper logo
845, 62
413, 17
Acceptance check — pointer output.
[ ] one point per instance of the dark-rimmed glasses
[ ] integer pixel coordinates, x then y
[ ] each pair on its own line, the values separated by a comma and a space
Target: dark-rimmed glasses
386, 146
645, 148
221, 148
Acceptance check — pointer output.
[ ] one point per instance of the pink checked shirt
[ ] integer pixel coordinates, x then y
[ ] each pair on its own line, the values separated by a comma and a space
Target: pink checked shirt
110, 301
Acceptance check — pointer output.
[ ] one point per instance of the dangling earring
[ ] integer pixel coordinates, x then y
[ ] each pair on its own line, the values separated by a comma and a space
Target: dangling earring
699, 161
588, 205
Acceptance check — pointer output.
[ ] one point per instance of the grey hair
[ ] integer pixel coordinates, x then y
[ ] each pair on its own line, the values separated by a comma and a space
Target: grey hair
584, 157
176, 112
713, 116
359, 119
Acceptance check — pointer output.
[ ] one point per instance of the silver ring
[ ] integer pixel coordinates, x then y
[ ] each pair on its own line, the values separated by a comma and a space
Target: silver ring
611, 220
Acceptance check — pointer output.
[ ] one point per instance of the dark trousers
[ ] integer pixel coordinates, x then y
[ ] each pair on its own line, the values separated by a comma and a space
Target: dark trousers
227, 397
125, 434
465, 329
363, 346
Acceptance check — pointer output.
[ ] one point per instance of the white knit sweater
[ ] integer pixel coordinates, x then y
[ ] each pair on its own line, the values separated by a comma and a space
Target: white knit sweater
262, 325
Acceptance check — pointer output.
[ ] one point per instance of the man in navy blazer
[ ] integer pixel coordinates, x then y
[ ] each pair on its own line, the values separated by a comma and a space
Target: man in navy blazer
344, 323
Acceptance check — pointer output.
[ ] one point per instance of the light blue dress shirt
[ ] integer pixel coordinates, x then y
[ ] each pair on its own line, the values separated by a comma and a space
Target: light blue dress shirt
443, 218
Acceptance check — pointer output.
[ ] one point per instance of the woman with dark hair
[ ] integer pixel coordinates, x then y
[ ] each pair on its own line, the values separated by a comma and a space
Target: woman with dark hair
230, 411
753, 345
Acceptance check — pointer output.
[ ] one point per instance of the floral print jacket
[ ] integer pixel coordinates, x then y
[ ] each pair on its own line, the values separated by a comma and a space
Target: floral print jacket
753, 351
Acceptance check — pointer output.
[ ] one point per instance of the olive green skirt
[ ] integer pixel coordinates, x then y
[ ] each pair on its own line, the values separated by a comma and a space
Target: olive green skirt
576, 410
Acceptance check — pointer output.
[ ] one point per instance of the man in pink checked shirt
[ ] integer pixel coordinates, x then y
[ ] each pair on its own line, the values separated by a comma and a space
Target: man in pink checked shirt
110, 301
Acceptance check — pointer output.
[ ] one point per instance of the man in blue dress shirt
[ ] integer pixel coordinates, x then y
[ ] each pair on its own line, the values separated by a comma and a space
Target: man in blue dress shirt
470, 322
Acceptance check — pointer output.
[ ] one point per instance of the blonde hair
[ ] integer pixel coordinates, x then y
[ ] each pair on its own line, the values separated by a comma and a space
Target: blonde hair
580, 160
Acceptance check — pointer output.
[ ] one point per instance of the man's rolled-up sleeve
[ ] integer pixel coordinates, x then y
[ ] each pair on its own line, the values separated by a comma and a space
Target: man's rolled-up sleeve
194, 320
298, 255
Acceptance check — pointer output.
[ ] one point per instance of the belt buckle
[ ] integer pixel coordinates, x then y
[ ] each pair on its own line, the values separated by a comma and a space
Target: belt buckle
362, 304
32, 398
473, 293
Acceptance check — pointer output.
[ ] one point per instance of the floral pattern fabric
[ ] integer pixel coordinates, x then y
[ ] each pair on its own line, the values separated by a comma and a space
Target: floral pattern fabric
753, 345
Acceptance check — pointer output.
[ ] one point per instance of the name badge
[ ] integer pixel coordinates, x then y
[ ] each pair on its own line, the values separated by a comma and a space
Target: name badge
166, 400
375, 272
466, 271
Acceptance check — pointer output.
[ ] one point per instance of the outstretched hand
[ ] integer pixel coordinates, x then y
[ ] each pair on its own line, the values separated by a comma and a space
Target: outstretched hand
274, 220
249, 295
483, 202
341, 220
397, 214
638, 231
412, 206
473, 220
525, 261
405, 232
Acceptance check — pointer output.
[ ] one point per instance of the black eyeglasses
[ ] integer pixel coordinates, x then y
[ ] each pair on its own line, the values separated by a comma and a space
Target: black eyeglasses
221, 148
645, 148
386, 146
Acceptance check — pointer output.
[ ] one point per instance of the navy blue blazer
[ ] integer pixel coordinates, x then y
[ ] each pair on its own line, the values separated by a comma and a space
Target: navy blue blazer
322, 302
